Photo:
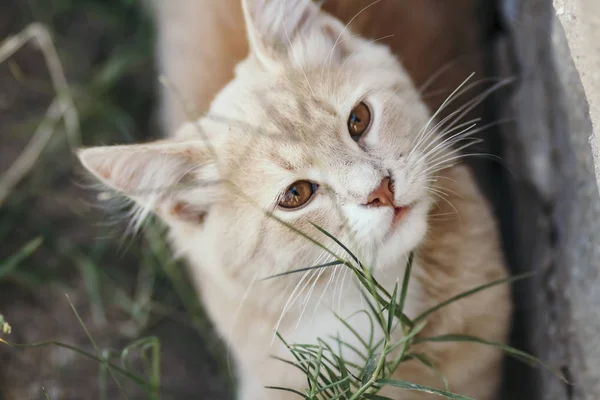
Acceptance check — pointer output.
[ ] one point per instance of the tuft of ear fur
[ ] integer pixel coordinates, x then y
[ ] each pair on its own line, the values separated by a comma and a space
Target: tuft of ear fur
174, 179
274, 26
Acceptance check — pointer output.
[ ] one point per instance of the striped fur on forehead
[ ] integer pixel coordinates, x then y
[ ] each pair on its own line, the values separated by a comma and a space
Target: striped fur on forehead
299, 94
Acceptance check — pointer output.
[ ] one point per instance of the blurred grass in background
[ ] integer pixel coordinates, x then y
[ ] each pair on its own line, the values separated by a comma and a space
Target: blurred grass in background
56, 239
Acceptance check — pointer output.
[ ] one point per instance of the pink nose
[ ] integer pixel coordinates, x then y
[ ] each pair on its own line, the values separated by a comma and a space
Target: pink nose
383, 195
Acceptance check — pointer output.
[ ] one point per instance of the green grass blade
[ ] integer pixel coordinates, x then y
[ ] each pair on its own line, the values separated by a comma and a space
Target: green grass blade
341, 344
422, 388
133, 377
93, 342
287, 390
510, 351
354, 332
340, 396
410, 336
392, 310
471, 292
372, 287
333, 385
9, 265
423, 359
143, 344
369, 369
295, 271
293, 364
405, 281
338, 242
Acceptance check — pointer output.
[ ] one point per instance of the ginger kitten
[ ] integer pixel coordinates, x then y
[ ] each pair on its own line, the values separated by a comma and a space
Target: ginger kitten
321, 126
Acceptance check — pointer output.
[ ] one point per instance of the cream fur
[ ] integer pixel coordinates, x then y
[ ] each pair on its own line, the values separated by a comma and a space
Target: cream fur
283, 118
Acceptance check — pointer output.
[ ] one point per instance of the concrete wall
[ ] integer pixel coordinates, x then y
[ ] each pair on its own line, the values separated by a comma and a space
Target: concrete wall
555, 54
581, 22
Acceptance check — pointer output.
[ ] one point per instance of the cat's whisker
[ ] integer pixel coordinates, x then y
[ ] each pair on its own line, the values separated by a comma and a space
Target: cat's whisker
427, 134
464, 110
436, 128
329, 66
324, 291
441, 134
446, 191
446, 102
237, 314
454, 148
343, 269
461, 111
448, 202
346, 229
469, 106
440, 192
459, 157
444, 133
463, 137
433, 93
329, 57
448, 141
356, 50
342, 286
440, 159
435, 178
474, 131
441, 218
440, 71
308, 296
291, 300
456, 116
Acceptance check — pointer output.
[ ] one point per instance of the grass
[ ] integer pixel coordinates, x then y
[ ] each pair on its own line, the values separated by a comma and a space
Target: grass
97, 107
53, 242
329, 376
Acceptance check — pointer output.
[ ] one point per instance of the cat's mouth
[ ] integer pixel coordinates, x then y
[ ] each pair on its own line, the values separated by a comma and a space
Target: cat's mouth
399, 214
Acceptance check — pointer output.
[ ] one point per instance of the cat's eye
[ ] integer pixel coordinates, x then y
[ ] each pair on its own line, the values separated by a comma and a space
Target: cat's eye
359, 120
298, 194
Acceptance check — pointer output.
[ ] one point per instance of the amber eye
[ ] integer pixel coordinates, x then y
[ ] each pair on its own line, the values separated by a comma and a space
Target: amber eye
298, 194
359, 121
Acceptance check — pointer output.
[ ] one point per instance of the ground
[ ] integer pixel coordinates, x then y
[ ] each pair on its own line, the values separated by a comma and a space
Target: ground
122, 286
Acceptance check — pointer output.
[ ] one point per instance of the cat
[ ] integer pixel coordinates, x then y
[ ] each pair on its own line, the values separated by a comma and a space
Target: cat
320, 126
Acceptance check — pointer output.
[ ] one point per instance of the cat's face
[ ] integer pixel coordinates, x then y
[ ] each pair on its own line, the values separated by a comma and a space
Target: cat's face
318, 127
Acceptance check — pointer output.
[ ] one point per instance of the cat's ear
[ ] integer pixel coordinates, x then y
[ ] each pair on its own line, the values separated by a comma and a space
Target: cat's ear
174, 179
273, 25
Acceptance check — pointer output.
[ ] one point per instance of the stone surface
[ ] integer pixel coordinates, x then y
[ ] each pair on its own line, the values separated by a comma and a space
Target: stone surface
555, 194
581, 21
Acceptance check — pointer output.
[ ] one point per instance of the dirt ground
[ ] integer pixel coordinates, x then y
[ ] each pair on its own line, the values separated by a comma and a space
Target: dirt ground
106, 50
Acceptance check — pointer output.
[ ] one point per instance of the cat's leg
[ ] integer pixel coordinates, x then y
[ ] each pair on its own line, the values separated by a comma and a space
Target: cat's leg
199, 44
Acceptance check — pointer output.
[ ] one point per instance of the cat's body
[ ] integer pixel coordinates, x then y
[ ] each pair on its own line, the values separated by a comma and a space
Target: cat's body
290, 122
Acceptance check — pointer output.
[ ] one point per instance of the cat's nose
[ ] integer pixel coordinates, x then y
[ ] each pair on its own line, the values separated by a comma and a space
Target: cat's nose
383, 195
